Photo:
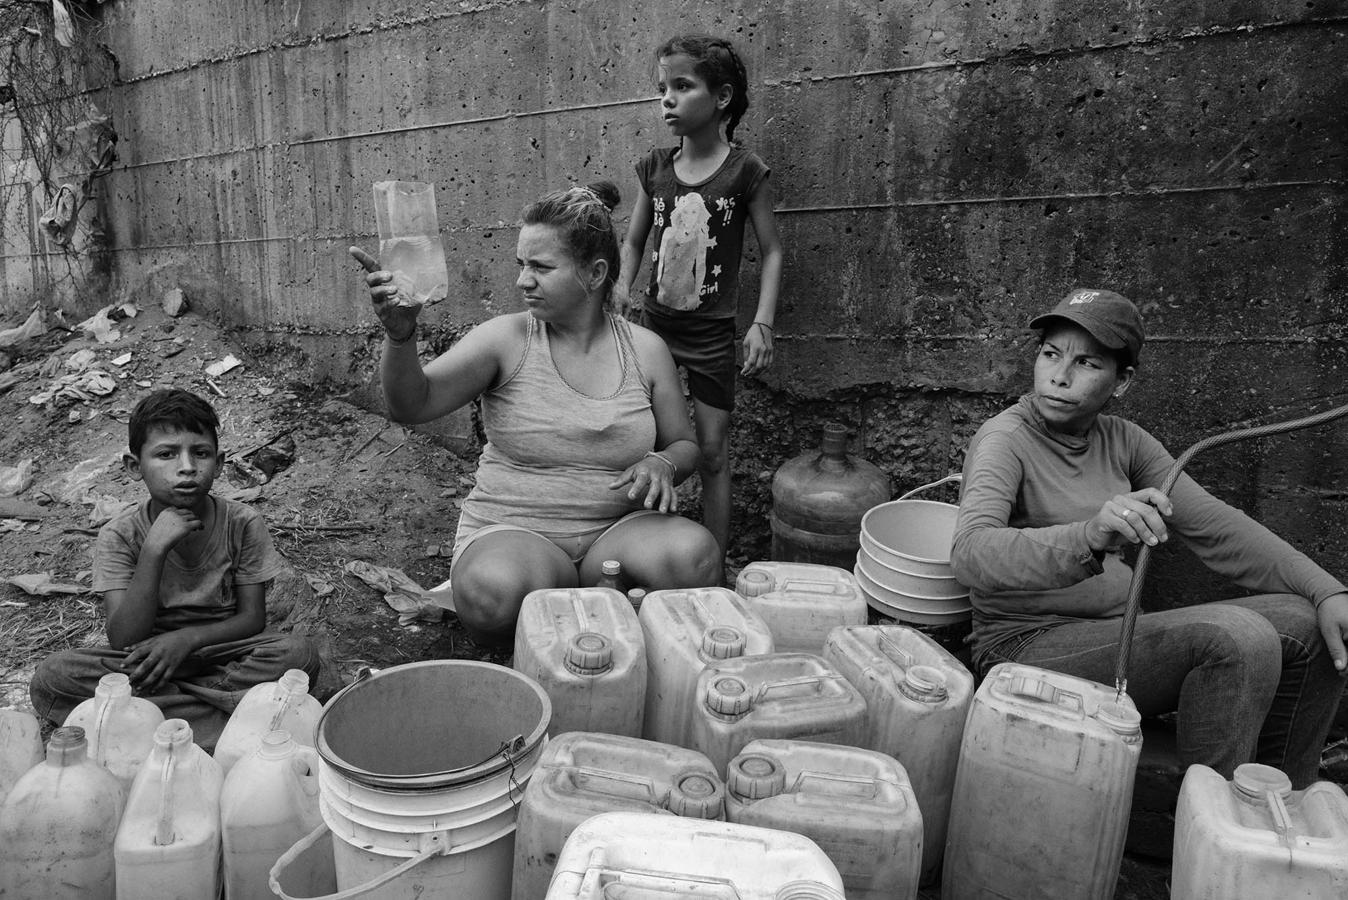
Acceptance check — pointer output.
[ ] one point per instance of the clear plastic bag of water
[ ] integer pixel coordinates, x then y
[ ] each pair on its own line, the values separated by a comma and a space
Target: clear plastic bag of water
409, 240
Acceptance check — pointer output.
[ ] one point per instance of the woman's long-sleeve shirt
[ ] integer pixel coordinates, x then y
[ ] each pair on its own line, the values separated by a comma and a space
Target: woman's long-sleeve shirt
1020, 537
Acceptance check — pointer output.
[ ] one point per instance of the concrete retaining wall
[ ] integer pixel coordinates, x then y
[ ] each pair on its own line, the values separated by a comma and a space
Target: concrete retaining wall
942, 172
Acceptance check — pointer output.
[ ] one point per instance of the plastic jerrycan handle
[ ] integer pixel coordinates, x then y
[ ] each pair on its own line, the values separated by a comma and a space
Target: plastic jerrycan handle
814, 786
631, 787
308, 782
1031, 688
893, 652
437, 845
793, 687
647, 886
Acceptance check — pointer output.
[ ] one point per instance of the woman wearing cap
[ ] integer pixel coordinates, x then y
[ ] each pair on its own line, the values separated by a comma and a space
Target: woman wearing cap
1053, 491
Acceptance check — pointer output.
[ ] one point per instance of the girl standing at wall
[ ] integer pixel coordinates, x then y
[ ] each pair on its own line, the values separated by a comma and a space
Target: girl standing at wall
697, 197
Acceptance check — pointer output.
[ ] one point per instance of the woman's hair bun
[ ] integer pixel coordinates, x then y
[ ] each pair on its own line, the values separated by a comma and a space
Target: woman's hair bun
607, 192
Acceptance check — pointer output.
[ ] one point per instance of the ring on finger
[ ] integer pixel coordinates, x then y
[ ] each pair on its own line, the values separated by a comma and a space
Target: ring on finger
1127, 514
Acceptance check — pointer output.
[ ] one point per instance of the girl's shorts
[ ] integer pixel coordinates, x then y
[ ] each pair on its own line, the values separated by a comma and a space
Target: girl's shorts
575, 546
705, 348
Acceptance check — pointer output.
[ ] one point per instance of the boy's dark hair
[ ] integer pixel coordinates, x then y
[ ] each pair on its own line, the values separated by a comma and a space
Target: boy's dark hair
583, 215
717, 62
172, 408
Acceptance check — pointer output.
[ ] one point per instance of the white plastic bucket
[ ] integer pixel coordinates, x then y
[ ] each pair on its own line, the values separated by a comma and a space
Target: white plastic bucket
913, 536
422, 767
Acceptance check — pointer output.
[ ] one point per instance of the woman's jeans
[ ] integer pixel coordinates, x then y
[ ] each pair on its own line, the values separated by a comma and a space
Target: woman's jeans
1251, 678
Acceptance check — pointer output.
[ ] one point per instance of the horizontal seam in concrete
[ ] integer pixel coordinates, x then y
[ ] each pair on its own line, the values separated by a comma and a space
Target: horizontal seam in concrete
872, 337
783, 211
1086, 195
1060, 52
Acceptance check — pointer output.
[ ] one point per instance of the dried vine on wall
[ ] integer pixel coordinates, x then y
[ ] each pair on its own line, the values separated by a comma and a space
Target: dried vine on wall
56, 140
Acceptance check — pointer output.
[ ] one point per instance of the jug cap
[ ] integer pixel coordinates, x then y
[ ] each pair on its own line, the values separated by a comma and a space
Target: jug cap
807, 890
611, 567
728, 696
753, 583
696, 796
589, 653
722, 642
1119, 718
294, 680
113, 684
1255, 780
753, 776
924, 683
173, 732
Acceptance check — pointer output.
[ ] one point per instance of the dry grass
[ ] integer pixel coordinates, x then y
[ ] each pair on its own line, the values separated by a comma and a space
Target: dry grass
44, 626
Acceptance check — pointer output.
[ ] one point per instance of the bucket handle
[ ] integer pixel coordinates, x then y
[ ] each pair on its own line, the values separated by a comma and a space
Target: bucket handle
953, 476
439, 847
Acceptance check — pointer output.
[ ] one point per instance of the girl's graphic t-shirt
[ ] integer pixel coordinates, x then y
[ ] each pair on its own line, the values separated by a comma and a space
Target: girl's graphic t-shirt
699, 233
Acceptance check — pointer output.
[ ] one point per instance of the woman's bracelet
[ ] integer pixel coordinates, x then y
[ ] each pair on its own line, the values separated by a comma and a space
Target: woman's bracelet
398, 342
765, 325
673, 466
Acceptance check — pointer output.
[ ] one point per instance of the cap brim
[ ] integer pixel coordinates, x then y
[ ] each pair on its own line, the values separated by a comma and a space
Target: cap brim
1097, 329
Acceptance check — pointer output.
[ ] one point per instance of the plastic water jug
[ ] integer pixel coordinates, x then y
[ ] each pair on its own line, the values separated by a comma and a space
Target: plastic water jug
169, 842
119, 727
644, 856
580, 775
1043, 789
270, 801
585, 648
281, 705
1256, 837
58, 824
818, 499
685, 630
856, 804
917, 698
777, 695
20, 747
801, 602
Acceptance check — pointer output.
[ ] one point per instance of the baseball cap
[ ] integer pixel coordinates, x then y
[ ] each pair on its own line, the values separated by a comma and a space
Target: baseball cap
1111, 318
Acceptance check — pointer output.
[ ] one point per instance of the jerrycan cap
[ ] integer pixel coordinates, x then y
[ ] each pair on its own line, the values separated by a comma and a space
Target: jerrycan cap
924, 683
728, 696
589, 653
113, 684
1255, 781
695, 796
1118, 718
753, 776
723, 642
173, 733
753, 583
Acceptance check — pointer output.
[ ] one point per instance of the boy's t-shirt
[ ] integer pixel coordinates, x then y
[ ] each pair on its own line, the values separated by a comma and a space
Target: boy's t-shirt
698, 233
239, 551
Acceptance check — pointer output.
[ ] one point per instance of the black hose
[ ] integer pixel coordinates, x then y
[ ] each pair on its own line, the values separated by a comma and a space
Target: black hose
1134, 603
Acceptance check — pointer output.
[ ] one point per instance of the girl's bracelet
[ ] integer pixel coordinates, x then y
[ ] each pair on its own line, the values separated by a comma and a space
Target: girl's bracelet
765, 325
398, 342
673, 466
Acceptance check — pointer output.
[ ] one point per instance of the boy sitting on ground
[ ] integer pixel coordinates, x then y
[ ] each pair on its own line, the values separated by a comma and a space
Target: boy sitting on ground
184, 578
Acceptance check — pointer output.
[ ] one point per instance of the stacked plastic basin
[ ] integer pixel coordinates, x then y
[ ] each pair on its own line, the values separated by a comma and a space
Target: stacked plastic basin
903, 566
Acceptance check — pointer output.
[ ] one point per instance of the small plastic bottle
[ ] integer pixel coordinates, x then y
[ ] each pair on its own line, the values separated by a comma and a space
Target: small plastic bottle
284, 704
119, 727
635, 596
20, 747
610, 575
168, 844
58, 824
269, 802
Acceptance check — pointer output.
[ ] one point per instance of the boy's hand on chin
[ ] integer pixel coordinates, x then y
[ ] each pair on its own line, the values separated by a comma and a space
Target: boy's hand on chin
171, 526
151, 662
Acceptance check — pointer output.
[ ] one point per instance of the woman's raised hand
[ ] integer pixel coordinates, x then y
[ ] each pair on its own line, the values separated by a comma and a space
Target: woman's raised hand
397, 314
652, 475
1131, 518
